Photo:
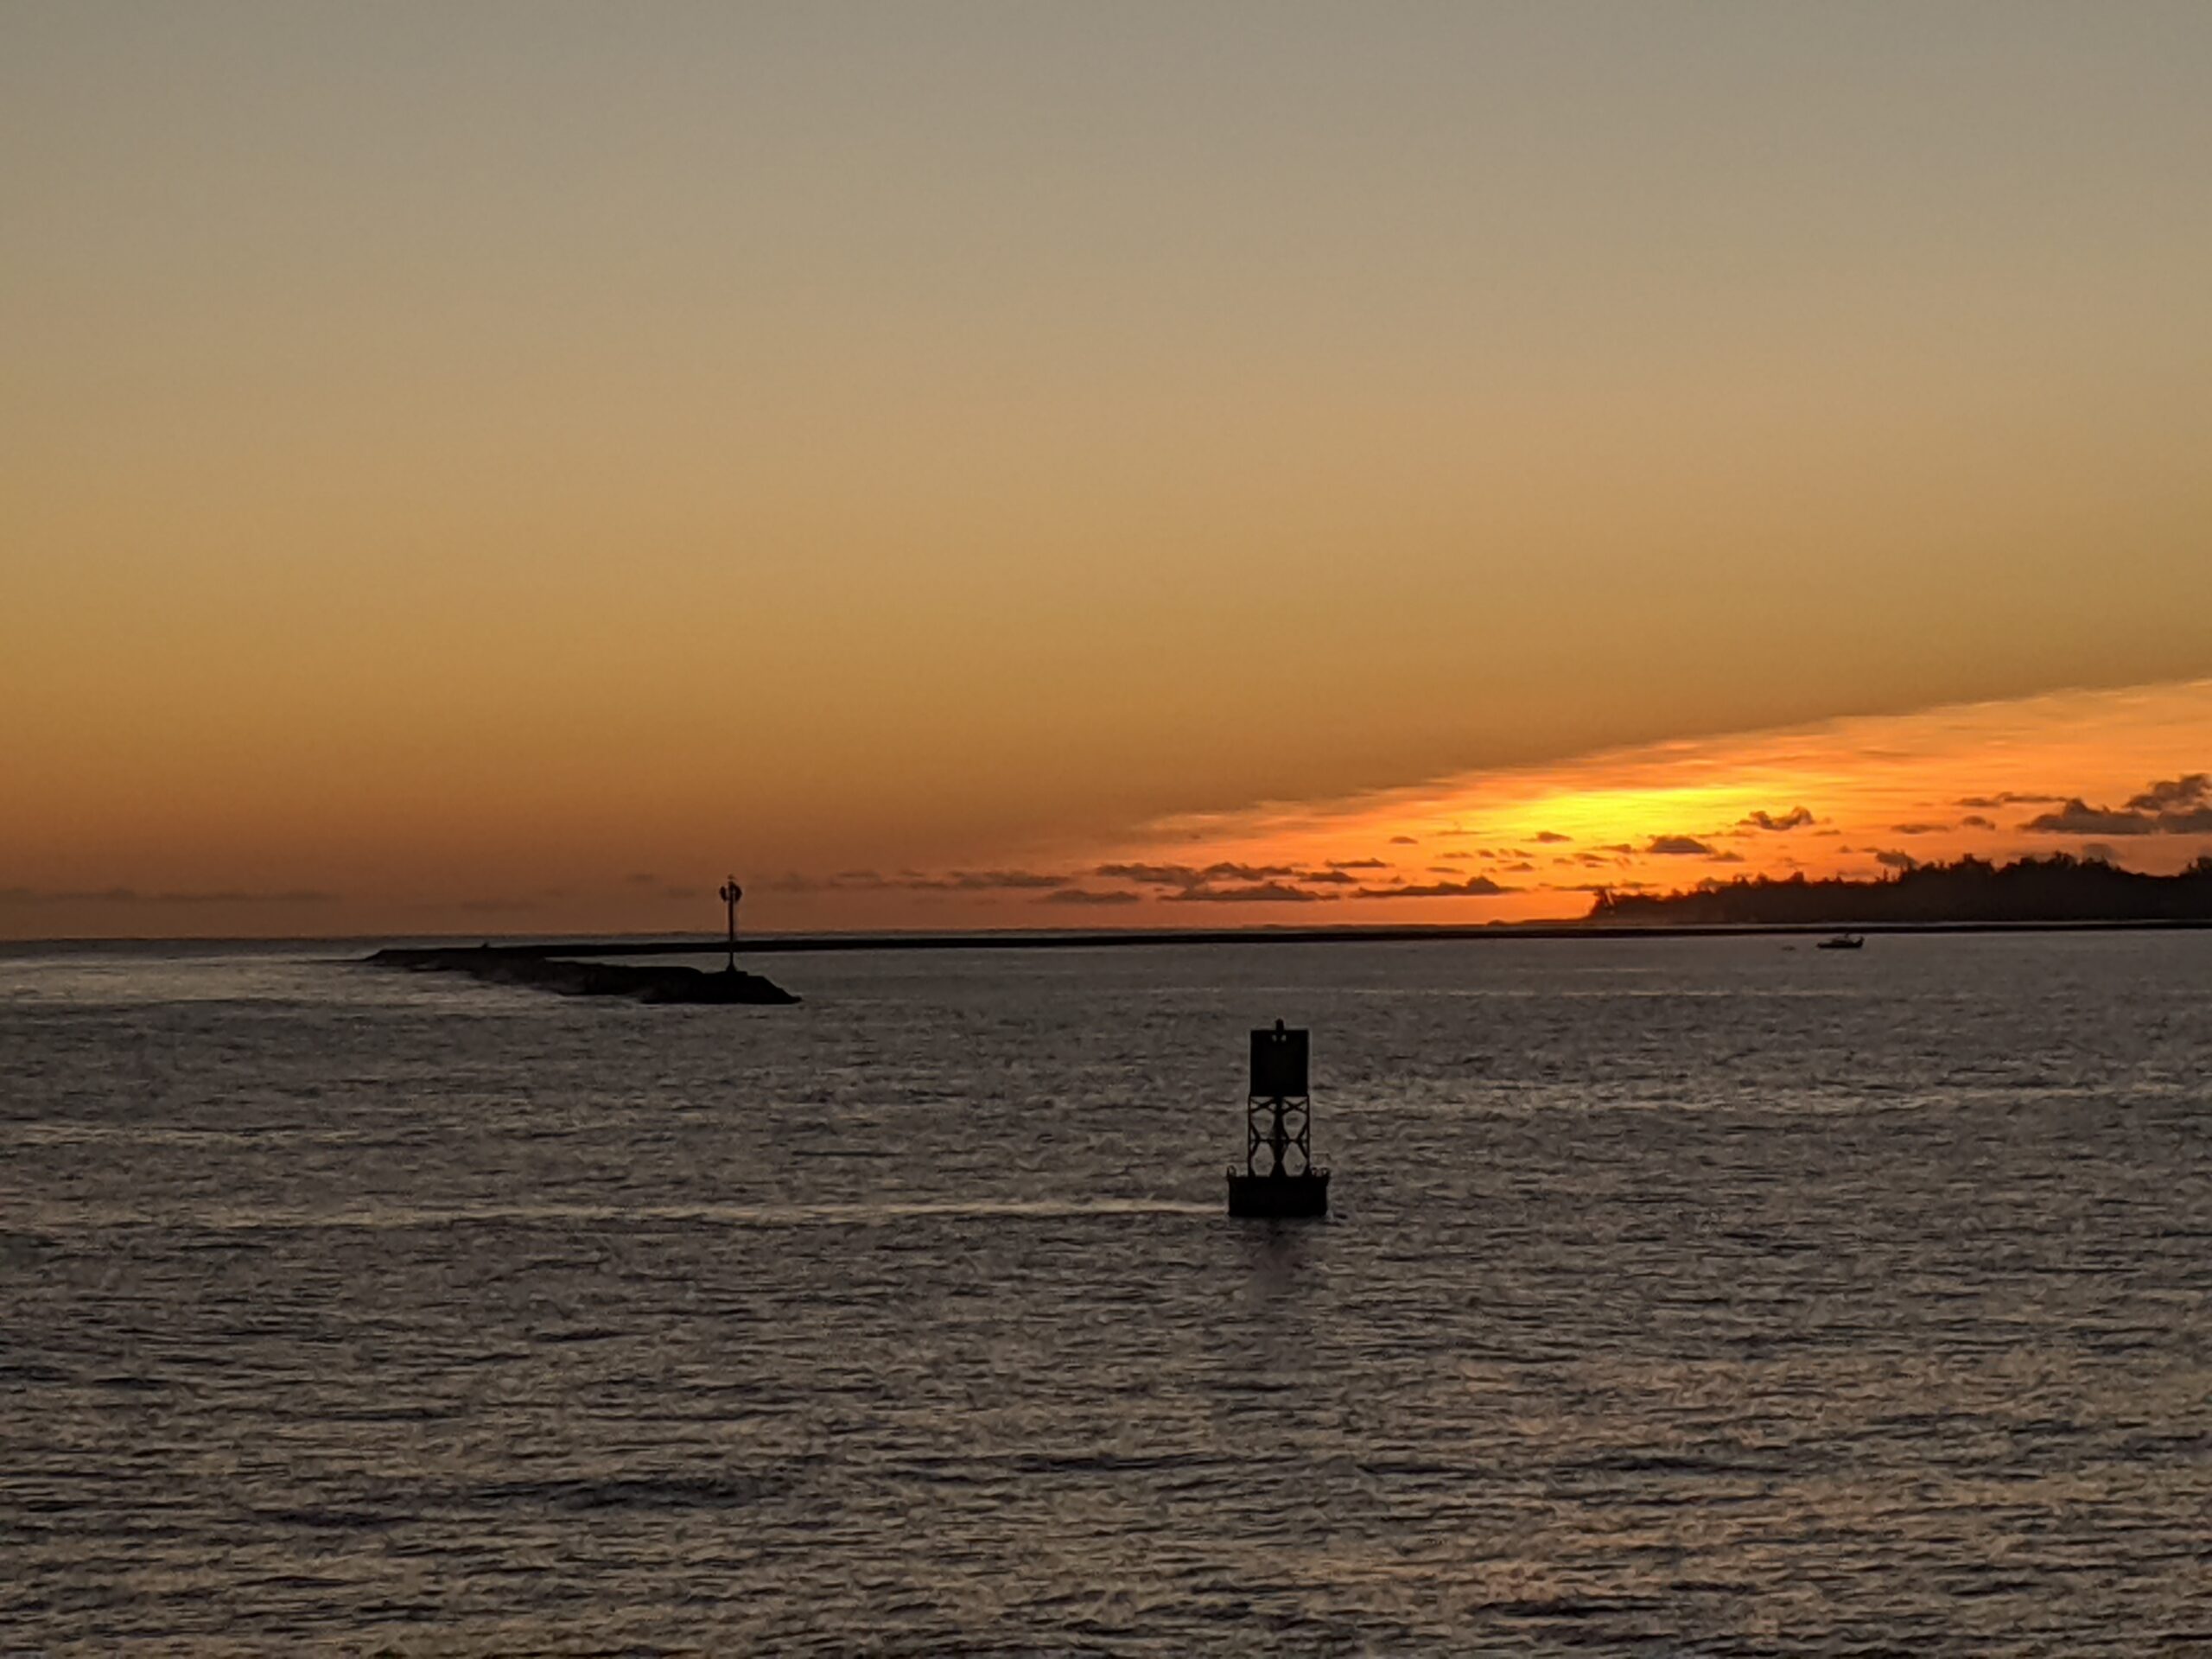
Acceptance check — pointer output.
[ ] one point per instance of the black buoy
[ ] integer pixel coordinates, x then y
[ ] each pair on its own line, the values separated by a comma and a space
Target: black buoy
1279, 1119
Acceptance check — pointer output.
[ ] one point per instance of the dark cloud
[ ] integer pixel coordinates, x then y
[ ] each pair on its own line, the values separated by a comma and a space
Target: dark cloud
2008, 798
1549, 836
2186, 824
2185, 796
1725, 858
982, 881
1475, 886
1257, 893
842, 881
1403, 841
1889, 859
1975, 821
1518, 865
2078, 818
1150, 875
1617, 847
911, 881
2177, 806
1192, 875
1088, 896
1796, 818
1330, 877
1359, 863
1918, 829
1245, 872
1678, 846
133, 896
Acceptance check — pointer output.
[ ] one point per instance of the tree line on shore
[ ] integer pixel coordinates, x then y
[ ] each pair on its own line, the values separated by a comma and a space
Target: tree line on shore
2057, 888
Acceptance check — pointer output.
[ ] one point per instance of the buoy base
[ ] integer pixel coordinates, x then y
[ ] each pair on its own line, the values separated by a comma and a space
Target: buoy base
1280, 1197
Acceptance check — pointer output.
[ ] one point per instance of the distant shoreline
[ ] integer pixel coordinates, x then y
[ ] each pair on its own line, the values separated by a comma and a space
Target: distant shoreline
801, 943
615, 944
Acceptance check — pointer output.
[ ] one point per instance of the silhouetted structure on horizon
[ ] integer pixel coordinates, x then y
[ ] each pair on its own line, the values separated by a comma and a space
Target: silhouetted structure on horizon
570, 977
729, 894
2059, 889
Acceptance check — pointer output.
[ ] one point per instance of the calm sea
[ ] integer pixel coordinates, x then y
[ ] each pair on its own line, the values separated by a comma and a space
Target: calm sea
1681, 1297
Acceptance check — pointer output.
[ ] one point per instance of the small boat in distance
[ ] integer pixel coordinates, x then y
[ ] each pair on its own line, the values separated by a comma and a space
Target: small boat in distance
1841, 941
1279, 1122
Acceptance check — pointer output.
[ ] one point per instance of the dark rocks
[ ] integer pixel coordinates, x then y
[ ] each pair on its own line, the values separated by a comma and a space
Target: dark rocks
568, 977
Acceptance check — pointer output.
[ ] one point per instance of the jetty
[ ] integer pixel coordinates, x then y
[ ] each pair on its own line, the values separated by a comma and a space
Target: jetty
566, 976
582, 970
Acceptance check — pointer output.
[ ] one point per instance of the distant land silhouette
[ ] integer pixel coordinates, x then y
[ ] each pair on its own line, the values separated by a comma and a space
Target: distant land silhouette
500, 965
2059, 889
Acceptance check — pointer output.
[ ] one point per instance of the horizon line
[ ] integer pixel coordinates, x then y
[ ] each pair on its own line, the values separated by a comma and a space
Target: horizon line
829, 942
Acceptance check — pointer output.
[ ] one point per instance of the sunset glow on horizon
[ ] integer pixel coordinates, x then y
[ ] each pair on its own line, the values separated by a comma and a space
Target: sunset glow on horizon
1856, 798
498, 469
2108, 775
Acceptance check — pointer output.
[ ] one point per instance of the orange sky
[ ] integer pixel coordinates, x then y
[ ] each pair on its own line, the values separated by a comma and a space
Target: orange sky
2078, 771
496, 468
2061, 772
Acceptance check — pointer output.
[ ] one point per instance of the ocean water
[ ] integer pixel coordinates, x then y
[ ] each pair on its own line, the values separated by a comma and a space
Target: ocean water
1706, 1297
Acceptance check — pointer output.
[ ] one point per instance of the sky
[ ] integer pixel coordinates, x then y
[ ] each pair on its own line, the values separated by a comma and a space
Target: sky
500, 468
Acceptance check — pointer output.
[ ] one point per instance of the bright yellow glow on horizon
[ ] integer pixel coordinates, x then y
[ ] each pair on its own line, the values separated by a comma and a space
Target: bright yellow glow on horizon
1849, 796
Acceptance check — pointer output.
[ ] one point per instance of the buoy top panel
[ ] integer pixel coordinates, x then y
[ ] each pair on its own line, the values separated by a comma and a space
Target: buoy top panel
1279, 1062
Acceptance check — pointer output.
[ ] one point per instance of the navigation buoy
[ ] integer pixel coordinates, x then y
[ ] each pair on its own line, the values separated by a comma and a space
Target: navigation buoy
1279, 1123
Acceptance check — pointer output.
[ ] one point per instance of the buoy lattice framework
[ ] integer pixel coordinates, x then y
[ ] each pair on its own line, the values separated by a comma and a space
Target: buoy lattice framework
1279, 1180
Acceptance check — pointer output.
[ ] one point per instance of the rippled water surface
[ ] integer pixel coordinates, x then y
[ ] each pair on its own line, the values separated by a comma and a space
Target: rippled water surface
1682, 1296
